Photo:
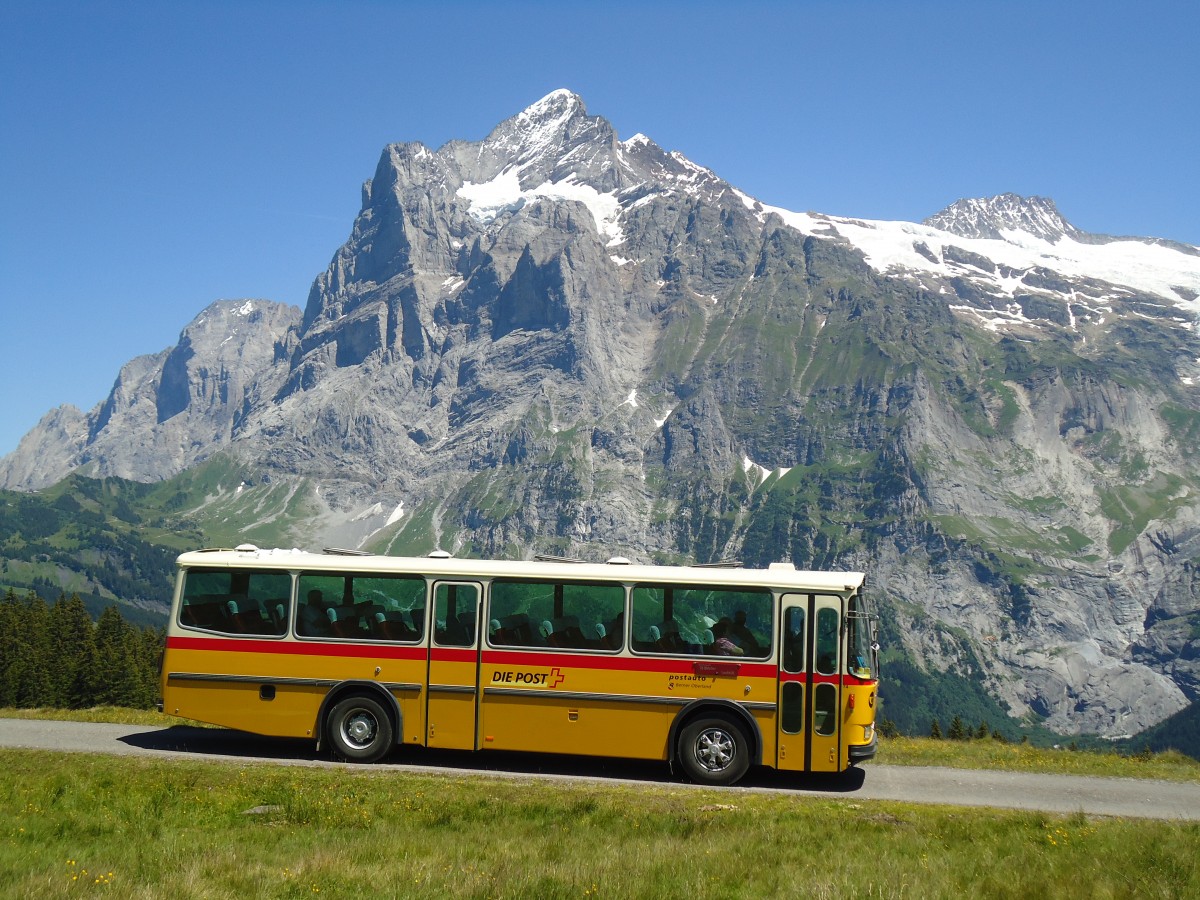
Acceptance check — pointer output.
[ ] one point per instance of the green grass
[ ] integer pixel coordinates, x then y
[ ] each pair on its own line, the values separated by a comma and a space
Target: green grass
985, 753
82, 824
1131, 507
115, 714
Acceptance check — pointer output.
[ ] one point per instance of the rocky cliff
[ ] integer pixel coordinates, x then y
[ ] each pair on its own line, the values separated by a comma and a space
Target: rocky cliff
557, 340
166, 411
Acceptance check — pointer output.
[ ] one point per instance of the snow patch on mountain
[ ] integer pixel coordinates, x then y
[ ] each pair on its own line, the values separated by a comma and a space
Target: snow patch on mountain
503, 194
909, 249
750, 466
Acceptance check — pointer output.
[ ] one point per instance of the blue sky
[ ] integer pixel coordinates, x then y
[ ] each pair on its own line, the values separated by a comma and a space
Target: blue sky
155, 157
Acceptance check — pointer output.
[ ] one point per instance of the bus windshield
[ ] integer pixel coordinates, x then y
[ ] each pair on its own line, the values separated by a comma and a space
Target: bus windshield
859, 641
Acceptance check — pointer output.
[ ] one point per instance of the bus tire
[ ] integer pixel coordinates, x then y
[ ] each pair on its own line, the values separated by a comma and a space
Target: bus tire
712, 750
359, 729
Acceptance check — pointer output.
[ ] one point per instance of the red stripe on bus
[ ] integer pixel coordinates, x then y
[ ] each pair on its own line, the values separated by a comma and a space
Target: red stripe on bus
612, 663
490, 657
851, 680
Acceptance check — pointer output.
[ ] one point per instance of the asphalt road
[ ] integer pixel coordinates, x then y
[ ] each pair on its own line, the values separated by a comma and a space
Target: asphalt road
957, 787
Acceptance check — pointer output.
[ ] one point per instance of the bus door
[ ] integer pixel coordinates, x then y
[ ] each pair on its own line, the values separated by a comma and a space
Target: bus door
452, 695
825, 700
793, 683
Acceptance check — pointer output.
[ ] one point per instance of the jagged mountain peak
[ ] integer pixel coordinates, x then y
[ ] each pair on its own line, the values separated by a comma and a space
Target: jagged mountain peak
534, 143
554, 109
554, 150
991, 217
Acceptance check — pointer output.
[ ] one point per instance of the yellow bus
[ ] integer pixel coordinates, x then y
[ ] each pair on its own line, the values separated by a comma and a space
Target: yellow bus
713, 668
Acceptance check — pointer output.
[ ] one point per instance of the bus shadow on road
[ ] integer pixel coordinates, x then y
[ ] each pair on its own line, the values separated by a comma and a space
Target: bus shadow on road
216, 742
226, 743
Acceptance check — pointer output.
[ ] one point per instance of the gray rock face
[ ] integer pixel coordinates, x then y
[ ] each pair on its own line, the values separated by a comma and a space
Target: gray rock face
166, 411
556, 340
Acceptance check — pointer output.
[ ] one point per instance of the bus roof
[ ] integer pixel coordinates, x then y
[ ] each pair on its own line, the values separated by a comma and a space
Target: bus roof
782, 576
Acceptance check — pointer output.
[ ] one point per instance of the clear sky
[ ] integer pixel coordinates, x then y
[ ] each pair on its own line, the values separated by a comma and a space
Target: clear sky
155, 157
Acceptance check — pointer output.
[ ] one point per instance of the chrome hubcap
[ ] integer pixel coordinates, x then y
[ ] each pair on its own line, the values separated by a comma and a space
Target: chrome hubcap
359, 729
714, 749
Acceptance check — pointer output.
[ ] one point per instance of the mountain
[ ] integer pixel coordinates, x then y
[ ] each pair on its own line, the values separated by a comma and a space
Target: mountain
555, 340
167, 411
994, 217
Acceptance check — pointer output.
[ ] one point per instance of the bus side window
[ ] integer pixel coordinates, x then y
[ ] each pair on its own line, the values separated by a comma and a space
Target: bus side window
695, 620
559, 615
361, 607
237, 602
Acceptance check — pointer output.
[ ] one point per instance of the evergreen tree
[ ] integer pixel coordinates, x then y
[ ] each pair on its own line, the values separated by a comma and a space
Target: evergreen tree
958, 731
146, 651
118, 681
72, 642
35, 687
55, 656
983, 730
11, 619
935, 731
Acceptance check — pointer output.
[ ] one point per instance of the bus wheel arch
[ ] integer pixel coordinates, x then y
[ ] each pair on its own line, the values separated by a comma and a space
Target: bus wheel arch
715, 742
360, 721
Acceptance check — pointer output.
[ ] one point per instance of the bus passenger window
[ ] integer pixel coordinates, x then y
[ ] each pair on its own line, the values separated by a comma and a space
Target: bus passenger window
361, 607
559, 615
236, 601
685, 619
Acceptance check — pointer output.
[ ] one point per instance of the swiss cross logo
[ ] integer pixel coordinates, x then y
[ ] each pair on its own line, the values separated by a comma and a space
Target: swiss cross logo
553, 678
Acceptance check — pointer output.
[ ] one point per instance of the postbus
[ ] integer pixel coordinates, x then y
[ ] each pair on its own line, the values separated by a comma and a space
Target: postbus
711, 668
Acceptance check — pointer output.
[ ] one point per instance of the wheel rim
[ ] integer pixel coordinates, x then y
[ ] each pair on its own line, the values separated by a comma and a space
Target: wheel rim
359, 729
715, 749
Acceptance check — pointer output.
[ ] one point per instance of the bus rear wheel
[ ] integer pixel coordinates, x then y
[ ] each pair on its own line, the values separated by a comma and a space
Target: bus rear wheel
359, 729
714, 751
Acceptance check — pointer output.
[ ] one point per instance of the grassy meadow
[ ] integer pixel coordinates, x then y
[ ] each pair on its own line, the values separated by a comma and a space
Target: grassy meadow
81, 824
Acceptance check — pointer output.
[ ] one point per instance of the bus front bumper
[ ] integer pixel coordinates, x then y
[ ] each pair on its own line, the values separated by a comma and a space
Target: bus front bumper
862, 752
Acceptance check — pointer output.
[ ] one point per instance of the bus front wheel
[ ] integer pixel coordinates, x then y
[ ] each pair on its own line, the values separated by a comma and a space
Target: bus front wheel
359, 729
713, 751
